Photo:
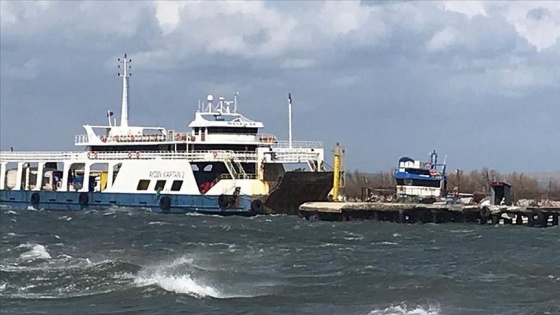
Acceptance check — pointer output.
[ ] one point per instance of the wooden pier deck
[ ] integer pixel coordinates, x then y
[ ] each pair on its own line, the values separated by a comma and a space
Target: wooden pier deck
430, 213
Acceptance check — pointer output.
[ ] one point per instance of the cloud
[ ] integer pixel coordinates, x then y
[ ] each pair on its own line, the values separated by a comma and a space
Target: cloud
538, 22
468, 8
385, 78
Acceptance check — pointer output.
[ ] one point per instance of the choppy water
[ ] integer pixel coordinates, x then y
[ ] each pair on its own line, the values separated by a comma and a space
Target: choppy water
143, 263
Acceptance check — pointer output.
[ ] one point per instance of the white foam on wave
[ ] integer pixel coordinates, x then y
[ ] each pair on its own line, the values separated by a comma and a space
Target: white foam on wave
384, 243
405, 310
169, 277
37, 251
181, 276
158, 223
179, 284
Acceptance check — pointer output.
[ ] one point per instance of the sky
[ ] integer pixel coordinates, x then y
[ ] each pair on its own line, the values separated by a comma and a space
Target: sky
477, 81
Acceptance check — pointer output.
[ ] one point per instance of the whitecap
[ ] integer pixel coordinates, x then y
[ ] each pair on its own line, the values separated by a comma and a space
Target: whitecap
405, 310
462, 231
157, 223
182, 284
384, 243
38, 251
181, 276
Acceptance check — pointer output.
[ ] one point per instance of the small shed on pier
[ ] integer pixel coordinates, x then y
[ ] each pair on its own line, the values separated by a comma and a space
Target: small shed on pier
501, 193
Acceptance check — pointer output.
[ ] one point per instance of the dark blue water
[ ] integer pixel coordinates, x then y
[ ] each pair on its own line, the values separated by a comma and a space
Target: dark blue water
122, 262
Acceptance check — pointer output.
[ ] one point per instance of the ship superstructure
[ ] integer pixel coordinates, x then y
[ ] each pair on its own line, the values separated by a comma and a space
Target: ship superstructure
424, 179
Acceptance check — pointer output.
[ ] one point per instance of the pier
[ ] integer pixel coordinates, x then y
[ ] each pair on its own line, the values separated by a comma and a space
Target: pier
430, 213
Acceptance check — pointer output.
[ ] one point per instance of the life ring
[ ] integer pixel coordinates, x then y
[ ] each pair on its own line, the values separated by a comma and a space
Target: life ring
137, 154
83, 199
215, 154
35, 199
165, 204
223, 201
257, 206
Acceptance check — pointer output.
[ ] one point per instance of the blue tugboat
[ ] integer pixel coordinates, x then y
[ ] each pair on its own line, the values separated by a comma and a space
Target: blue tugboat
421, 180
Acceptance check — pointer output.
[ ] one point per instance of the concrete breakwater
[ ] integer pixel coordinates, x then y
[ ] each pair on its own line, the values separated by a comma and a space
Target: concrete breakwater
430, 213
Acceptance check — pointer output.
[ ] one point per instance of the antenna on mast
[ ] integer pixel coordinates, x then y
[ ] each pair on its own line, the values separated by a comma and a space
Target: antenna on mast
124, 74
290, 119
235, 101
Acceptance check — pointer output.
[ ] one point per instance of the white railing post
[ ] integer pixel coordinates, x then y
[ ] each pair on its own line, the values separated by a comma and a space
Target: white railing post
39, 180
19, 175
3, 171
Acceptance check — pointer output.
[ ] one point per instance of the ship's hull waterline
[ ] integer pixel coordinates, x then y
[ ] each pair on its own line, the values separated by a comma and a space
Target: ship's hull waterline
163, 203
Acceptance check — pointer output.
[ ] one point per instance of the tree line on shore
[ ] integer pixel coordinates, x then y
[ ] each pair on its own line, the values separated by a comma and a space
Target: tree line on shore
473, 182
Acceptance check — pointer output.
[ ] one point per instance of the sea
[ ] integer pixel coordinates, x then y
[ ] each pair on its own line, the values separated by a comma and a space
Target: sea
121, 261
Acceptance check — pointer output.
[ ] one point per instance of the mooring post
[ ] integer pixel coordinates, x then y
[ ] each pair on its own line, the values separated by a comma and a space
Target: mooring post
541, 217
496, 219
401, 216
530, 220
435, 216
518, 218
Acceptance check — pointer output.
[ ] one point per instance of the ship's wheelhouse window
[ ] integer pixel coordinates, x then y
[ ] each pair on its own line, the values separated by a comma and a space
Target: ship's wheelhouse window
176, 186
143, 184
159, 185
232, 130
196, 130
417, 171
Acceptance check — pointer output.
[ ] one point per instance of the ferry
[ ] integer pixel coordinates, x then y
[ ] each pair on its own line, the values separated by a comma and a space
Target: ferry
421, 179
222, 165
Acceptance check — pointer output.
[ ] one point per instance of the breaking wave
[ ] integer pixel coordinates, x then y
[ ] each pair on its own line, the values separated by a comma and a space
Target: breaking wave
182, 276
403, 309
36, 251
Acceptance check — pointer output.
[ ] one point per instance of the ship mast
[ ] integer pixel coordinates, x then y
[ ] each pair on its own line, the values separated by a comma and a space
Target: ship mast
124, 74
290, 119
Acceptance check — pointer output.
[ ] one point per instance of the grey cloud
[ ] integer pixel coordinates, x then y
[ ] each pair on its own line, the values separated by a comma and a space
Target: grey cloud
488, 98
538, 14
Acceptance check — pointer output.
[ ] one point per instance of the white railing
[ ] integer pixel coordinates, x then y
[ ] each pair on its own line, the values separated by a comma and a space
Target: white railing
267, 140
196, 156
270, 140
178, 136
55, 156
81, 139
297, 144
294, 157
